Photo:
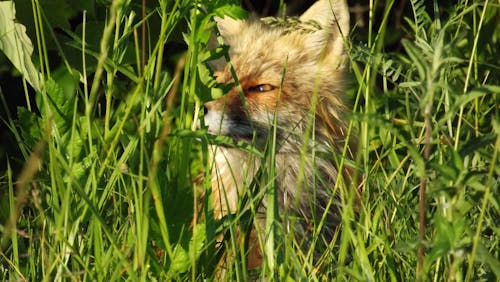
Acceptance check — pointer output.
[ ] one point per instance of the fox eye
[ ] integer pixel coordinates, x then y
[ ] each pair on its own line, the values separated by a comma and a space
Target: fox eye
261, 88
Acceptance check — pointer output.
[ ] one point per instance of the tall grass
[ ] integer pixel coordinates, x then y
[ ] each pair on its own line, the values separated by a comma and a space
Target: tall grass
115, 164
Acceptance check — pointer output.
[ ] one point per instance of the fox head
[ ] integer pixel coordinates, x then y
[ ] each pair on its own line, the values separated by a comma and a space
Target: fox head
282, 70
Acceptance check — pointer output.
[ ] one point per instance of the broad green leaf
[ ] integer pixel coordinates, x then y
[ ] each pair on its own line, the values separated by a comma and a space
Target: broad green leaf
233, 11
29, 125
16, 45
198, 240
205, 75
180, 261
61, 105
216, 93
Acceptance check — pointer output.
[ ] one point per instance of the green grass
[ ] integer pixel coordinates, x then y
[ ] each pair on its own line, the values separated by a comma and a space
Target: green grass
107, 178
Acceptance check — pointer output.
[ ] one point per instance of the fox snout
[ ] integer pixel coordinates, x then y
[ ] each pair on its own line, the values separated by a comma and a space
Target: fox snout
221, 119
214, 119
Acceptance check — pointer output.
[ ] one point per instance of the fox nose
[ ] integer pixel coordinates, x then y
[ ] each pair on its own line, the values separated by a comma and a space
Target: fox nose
208, 106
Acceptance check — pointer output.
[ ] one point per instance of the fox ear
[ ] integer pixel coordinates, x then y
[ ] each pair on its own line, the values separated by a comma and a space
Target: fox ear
333, 16
228, 27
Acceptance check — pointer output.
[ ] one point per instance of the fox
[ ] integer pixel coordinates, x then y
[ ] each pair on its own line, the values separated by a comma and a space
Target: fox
287, 79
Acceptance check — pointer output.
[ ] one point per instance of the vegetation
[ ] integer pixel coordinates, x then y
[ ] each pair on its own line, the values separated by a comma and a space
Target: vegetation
102, 162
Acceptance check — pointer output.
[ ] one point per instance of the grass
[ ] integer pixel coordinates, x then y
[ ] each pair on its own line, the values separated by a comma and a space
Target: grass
107, 181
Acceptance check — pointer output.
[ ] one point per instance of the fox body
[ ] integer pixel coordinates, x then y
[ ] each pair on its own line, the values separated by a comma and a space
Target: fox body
288, 77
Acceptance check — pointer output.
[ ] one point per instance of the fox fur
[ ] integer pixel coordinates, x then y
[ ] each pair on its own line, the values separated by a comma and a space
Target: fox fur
289, 74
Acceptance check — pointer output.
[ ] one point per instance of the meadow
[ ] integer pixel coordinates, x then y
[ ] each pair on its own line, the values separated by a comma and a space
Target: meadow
102, 161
